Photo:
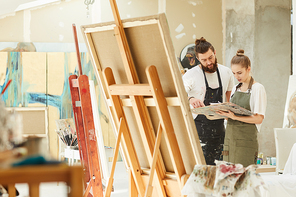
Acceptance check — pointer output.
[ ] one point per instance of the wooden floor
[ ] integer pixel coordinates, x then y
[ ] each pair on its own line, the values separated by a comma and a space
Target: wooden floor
120, 184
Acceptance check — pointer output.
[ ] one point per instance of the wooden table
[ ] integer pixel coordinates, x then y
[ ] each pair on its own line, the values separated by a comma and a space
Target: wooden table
34, 175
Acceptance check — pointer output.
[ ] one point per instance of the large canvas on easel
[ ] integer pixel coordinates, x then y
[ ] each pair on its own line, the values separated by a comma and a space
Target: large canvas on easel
150, 44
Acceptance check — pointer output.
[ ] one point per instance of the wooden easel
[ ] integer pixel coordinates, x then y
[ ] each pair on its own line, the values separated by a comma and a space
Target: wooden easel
87, 141
136, 92
144, 116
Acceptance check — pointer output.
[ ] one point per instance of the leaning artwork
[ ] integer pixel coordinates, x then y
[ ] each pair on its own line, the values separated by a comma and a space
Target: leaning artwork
290, 107
210, 111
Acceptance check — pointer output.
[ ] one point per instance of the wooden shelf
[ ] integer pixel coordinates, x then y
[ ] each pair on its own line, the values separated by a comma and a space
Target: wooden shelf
265, 168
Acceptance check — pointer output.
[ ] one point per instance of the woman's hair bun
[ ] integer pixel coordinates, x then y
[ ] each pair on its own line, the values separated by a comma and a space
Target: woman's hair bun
198, 41
240, 52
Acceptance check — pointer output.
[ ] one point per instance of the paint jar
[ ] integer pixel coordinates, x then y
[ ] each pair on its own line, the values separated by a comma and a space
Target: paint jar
72, 147
273, 161
260, 159
268, 160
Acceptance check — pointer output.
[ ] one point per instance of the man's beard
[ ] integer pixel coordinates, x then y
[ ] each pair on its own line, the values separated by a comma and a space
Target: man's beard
210, 70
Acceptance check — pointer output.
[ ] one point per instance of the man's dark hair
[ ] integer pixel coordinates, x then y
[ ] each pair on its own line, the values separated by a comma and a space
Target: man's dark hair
202, 46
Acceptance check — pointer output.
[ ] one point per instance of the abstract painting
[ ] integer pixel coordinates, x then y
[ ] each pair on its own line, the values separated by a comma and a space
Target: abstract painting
40, 79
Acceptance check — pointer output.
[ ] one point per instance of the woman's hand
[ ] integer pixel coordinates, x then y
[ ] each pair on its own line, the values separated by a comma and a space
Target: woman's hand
196, 102
254, 119
228, 114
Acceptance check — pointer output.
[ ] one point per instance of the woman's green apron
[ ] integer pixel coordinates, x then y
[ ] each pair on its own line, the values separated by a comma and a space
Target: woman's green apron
240, 144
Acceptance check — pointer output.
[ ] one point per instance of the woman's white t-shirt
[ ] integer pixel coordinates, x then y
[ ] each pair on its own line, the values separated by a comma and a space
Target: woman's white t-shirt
258, 100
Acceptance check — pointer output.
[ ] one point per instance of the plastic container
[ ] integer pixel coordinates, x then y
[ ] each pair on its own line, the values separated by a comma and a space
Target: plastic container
273, 161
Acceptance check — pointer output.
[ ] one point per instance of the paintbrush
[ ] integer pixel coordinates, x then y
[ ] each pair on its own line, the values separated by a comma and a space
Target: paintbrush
75, 142
61, 136
70, 139
9, 81
74, 136
71, 135
67, 137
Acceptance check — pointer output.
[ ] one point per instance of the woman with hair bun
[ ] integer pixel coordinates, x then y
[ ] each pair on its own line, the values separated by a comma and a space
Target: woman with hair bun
240, 143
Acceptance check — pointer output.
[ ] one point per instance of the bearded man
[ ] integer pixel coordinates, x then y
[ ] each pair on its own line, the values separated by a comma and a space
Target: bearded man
207, 83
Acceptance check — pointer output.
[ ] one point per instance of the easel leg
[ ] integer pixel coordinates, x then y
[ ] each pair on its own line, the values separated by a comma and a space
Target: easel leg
149, 187
110, 181
166, 122
132, 186
127, 142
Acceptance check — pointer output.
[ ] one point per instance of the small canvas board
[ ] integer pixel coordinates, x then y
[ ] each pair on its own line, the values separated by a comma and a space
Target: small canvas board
210, 111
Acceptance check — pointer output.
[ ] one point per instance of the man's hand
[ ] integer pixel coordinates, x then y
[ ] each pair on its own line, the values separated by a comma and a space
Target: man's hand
196, 102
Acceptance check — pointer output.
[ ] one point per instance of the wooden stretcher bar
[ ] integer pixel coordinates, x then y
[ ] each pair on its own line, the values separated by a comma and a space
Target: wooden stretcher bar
149, 102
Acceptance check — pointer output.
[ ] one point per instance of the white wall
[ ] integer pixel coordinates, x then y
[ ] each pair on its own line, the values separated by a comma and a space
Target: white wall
262, 28
53, 23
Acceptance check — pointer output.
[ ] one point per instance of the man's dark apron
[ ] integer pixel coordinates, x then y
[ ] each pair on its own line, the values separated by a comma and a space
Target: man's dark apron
211, 132
240, 145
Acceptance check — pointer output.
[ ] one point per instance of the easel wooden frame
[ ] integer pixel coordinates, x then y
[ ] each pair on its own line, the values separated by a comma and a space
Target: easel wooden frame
140, 97
86, 133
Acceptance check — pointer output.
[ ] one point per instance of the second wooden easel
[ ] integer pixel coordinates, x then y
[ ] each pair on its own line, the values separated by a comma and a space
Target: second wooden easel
86, 133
